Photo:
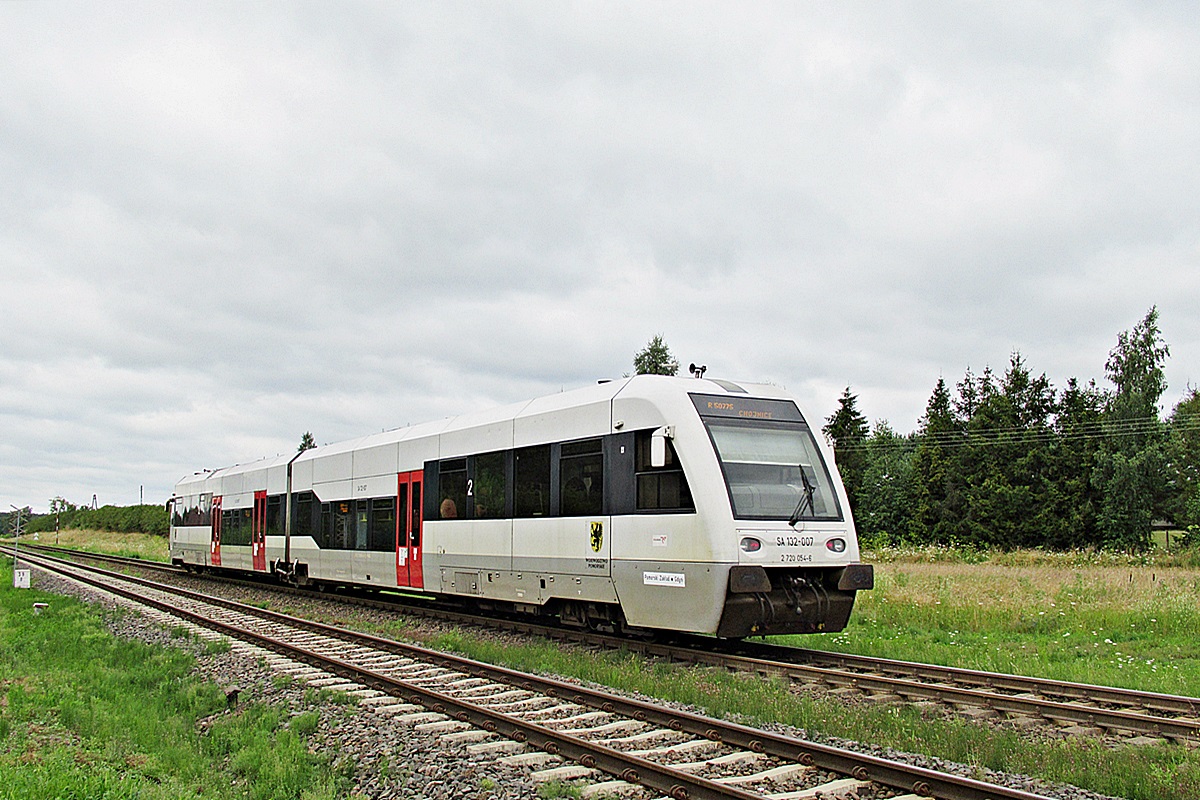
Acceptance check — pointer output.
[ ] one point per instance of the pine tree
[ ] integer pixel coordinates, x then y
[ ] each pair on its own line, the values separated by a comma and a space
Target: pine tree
1002, 464
932, 468
847, 429
1183, 461
1072, 461
307, 442
886, 501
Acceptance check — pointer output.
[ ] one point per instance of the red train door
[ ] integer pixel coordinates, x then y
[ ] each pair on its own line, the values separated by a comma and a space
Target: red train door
408, 529
258, 532
214, 552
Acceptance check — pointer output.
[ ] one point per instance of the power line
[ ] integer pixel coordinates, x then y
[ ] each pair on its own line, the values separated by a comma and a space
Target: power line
1076, 431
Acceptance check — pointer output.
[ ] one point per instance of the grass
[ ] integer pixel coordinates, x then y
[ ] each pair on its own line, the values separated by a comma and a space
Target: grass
1072, 617
1100, 623
1098, 618
84, 714
1153, 773
130, 545
552, 790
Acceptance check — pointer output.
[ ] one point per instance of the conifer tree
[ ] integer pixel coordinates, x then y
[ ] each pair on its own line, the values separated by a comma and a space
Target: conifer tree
1183, 463
847, 429
932, 469
1072, 461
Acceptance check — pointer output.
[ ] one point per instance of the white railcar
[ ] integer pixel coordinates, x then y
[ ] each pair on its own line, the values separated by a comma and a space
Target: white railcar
646, 503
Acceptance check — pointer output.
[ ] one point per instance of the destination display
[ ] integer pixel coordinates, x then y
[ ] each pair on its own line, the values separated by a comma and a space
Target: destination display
730, 407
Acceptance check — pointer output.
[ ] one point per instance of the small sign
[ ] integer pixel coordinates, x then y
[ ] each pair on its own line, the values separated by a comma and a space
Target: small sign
659, 540
20, 578
663, 579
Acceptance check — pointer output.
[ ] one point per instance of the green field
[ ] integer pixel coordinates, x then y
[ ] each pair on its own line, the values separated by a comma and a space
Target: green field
1077, 617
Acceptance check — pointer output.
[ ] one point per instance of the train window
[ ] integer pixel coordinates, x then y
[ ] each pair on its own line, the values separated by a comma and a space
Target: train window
383, 524
275, 515
323, 538
402, 517
362, 524
452, 484
664, 488
581, 478
188, 511
774, 471
235, 526
531, 481
302, 514
341, 535
416, 514
204, 516
488, 486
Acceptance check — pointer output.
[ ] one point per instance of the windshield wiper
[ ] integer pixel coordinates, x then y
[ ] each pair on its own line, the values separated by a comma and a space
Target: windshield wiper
806, 500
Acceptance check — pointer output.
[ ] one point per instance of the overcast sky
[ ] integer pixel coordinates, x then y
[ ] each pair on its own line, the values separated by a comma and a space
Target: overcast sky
224, 224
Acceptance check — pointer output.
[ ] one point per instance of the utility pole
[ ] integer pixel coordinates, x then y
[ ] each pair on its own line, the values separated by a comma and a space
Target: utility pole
16, 534
58, 507
20, 576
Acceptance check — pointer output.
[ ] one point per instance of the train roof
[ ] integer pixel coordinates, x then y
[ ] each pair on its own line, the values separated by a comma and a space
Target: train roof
660, 388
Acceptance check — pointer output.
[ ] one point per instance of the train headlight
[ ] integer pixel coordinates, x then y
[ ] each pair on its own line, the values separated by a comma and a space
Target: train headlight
836, 545
751, 545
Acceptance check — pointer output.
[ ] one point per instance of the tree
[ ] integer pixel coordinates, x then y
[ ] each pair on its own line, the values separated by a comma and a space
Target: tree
1183, 460
1071, 464
1135, 366
655, 359
1002, 463
1131, 474
885, 503
933, 477
307, 442
847, 428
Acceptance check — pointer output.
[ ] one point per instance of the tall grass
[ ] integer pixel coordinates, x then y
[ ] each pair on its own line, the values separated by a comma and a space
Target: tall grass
132, 545
1116, 625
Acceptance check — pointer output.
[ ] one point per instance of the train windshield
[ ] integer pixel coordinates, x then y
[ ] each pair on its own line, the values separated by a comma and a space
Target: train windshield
774, 471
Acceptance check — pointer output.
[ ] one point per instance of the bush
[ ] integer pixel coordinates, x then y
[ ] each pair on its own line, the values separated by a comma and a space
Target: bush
148, 519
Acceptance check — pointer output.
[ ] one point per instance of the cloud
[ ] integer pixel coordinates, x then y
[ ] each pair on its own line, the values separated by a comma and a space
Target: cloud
224, 225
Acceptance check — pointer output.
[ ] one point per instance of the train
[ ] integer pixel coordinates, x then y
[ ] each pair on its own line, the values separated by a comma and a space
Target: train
643, 505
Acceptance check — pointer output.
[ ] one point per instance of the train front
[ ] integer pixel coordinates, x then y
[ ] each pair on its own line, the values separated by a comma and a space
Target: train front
798, 568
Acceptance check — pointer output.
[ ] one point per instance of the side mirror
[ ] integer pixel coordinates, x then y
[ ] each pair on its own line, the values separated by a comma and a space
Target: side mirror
658, 445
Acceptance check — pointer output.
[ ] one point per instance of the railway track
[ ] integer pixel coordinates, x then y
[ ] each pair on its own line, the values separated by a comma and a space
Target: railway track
562, 730
1076, 708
